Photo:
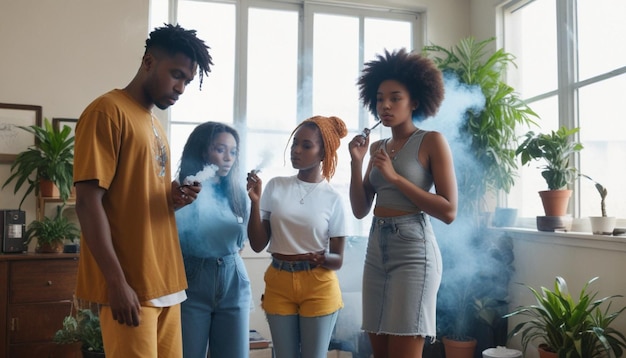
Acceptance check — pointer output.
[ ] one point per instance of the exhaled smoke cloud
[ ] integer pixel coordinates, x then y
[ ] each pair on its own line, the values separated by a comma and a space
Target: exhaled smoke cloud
266, 159
207, 173
469, 262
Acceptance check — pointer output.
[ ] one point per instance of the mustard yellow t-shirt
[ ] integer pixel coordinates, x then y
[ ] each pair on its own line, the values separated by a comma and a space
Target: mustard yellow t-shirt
119, 144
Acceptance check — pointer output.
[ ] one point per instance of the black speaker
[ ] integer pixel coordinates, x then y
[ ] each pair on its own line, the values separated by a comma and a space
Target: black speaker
13, 224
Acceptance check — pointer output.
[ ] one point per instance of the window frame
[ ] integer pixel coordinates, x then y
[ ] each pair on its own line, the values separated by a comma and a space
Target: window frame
307, 10
568, 83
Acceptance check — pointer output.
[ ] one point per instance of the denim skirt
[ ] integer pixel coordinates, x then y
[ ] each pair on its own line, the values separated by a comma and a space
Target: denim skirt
401, 277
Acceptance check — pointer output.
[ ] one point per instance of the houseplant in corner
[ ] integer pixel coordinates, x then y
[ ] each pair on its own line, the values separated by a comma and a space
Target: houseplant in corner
490, 129
85, 329
51, 159
601, 225
568, 328
51, 232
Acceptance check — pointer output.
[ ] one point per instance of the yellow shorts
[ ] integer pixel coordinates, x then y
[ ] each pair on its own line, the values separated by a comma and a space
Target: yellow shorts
309, 293
158, 334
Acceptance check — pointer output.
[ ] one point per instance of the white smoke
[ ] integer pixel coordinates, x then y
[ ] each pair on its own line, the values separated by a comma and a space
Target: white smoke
207, 173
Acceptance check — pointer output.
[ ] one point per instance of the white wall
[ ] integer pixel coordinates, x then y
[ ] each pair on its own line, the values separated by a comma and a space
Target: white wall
577, 257
61, 54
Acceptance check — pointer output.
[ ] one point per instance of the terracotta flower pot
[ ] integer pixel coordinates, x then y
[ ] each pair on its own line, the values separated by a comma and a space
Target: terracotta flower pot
48, 189
50, 248
555, 201
543, 353
459, 349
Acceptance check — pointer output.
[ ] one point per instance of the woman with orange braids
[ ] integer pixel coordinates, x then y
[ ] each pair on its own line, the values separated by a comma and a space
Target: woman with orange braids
301, 217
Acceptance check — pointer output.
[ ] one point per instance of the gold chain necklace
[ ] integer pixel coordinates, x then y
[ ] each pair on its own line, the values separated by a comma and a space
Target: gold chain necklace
401, 143
306, 192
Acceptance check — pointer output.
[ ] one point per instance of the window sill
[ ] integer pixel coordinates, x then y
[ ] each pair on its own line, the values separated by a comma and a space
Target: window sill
572, 238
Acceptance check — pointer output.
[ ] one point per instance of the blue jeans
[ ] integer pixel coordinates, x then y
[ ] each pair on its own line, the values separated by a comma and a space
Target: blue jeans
216, 314
294, 336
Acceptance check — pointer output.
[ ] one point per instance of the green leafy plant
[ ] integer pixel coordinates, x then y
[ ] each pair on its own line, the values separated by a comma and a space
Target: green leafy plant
603, 193
51, 158
52, 230
83, 328
491, 129
570, 328
555, 148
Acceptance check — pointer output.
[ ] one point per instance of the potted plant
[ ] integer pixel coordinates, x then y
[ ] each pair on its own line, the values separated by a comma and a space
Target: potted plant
601, 225
50, 159
556, 148
51, 232
567, 327
85, 329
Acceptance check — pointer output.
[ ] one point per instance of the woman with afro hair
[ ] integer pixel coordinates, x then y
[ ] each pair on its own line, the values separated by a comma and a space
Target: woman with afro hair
402, 269
301, 217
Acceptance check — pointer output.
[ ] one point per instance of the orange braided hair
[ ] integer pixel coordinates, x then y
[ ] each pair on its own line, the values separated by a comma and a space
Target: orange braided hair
332, 129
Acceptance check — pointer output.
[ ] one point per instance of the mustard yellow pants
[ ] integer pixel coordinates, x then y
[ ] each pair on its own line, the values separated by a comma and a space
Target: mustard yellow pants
158, 334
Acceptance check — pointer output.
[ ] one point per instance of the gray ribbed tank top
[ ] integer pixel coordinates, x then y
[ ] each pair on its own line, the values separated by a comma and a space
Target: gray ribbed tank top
407, 165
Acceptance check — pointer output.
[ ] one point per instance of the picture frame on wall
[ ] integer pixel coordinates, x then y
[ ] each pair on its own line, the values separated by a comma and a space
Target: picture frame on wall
58, 123
14, 140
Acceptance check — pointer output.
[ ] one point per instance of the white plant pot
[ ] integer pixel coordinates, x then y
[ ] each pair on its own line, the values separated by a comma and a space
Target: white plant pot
602, 225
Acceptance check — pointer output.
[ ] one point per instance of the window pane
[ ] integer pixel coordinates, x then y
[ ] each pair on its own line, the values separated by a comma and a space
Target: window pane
601, 30
215, 24
178, 137
381, 34
531, 37
336, 67
602, 133
272, 69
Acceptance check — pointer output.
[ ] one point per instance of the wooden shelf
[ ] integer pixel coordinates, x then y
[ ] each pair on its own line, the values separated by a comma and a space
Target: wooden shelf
42, 201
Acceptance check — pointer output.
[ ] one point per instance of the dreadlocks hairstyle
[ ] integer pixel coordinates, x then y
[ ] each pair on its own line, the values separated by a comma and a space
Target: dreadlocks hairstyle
175, 39
419, 74
192, 162
331, 130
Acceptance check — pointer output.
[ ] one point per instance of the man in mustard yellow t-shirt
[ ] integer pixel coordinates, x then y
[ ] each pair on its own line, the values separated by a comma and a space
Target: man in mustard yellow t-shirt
131, 261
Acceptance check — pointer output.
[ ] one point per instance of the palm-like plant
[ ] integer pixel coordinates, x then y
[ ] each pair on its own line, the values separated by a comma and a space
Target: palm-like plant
571, 329
51, 158
492, 127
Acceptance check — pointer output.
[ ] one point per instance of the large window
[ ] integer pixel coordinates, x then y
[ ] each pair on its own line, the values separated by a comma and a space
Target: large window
572, 71
278, 63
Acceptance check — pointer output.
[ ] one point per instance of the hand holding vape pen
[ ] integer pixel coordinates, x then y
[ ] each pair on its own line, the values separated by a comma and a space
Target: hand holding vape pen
253, 172
366, 131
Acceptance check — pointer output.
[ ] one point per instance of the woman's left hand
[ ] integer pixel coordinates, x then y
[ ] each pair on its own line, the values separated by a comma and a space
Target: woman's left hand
184, 194
382, 162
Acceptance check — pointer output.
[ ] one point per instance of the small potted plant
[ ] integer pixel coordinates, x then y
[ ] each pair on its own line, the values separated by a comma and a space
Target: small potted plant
52, 232
50, 159
568, 328
556, 148
85, 329
601, 225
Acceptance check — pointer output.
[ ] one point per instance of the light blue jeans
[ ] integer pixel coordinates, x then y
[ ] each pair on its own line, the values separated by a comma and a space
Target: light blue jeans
216, 314
294, 336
